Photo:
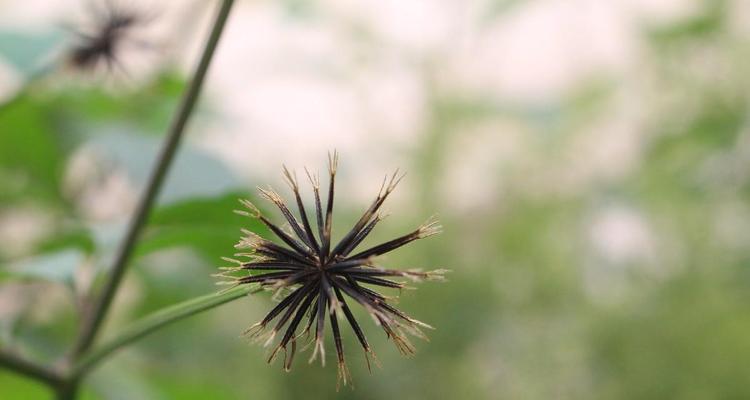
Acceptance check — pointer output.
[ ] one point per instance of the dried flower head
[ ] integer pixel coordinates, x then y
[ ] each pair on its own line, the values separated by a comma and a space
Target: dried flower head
317, 276
102, 44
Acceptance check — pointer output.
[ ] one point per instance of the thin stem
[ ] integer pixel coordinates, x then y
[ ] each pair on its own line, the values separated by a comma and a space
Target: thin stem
16, 363
155, 321
68, 390
96, 315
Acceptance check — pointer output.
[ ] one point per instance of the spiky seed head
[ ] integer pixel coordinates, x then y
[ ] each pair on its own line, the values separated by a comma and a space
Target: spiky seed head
317, 278
112, 26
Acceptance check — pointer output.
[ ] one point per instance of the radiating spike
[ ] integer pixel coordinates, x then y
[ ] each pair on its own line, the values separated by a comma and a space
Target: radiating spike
292, 182
428, 229
321, 316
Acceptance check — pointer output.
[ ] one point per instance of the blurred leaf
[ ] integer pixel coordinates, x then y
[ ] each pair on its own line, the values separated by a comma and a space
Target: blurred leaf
123, 384
195, 389
688, 339
29, 151
498, 8
55, 267
26, 51
193, 172
710, 21
300, 8
77, 238
149, 107
14, 386
670, 173
206, 225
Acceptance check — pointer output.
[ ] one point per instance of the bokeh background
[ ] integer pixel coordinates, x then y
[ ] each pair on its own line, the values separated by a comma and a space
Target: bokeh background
589, 161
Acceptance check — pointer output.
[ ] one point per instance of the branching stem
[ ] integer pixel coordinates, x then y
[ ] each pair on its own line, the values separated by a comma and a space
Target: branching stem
65, 383
29, 368
95, 316
153, 322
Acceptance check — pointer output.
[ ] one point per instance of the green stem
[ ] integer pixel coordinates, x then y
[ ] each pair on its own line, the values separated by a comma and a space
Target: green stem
16, 363
68, 390
155, 321
94, 318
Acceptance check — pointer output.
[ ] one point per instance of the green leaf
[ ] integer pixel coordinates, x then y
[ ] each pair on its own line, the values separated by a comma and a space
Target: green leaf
77, 238
55, 267
29, 152
193, 173
14, 386
708, 22
206, 225
26, 52
149, 108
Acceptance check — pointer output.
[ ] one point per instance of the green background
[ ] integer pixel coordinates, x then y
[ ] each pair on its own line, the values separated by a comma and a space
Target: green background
532, 308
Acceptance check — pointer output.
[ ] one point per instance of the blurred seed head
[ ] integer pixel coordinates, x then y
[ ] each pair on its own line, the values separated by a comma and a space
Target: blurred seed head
111, 29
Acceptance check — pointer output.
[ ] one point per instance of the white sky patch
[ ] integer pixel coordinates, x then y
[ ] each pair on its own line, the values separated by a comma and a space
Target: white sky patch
417, 25
290, 89
621, 235
480, 162
542, 48
624, 252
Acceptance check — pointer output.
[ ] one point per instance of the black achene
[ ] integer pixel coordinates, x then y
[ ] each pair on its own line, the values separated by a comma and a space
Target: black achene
317, 277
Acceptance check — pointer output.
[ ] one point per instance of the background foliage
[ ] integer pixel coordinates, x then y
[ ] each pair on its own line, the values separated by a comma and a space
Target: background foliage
574, 278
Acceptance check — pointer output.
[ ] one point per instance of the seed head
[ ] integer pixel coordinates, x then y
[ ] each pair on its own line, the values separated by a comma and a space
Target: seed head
112, 25
314, 278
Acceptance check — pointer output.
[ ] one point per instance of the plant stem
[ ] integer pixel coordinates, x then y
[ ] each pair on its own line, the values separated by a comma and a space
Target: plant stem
31, 369
67, 390
155, 321
95, 316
